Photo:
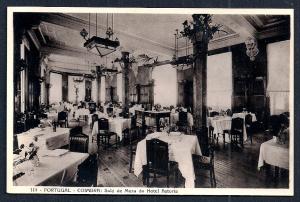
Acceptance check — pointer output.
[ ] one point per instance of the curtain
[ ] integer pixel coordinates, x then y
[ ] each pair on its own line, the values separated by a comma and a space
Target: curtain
219, 80
165, 88
278, 76
56, 88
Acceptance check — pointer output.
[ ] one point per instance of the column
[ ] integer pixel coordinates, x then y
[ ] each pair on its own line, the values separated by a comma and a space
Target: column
125, 75
200, 47
65, 87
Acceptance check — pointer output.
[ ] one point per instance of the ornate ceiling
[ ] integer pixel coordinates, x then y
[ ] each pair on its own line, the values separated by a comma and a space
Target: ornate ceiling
142, 34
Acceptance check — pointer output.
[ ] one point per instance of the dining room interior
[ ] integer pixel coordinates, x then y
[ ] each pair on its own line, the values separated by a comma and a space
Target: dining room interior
151, 100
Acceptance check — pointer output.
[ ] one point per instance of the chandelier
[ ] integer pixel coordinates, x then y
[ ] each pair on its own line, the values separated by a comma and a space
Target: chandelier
251, 48
182, 62
99, 45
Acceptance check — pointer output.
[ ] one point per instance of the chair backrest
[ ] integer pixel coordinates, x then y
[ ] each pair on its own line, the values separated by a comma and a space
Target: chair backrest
79, 142
228, 112
248, 119
62, 115
214, 113
157, 155
182, 118
139, 118
202, 136
133, 122
109, 110
274, 124
76, 130
237, 124
103, 124
88, 171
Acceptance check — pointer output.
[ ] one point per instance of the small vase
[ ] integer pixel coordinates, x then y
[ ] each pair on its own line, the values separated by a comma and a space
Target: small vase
35, 161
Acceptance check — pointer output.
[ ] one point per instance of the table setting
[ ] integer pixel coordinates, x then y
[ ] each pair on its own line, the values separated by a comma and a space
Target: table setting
181, 148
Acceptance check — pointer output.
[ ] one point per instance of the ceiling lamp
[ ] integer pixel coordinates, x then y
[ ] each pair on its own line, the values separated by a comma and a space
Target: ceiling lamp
99, 45
251, 46
182, 62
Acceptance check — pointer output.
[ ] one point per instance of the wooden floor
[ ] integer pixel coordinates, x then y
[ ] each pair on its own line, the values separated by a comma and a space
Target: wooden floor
233, 169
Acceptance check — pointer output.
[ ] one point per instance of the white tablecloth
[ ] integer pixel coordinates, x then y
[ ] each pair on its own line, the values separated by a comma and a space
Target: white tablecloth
274, 154
52, 116
47, 139
116, 125
51, 171
243, 115
221, 123
181, 148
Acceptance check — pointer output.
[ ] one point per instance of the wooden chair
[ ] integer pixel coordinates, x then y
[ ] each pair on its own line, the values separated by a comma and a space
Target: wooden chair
158, 161
248, 123
104, 136
206, 163
274, 124
133, 140
79, 142
214, 113
182, 122
62, 119
237, 131
87, 173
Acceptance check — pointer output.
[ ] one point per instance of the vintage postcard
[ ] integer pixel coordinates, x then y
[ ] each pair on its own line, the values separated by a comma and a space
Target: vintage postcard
150, 101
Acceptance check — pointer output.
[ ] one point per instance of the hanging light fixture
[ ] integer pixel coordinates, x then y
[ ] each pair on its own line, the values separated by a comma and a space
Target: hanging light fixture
182, 62
251, 48
102, 46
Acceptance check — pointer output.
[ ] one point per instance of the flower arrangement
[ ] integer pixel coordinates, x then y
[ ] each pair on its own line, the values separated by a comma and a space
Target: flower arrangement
30, 152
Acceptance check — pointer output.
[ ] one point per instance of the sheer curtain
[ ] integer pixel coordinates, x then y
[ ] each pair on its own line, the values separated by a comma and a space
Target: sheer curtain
56, 88
219, 80
165, 85
278, 76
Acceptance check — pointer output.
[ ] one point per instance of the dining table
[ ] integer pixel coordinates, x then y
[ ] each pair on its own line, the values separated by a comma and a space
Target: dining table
274, 154
116, 125
54, 169
181, 147
222, 123
46, 137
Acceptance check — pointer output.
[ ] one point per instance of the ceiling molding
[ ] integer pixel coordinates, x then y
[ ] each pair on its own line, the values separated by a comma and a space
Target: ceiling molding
69, 51
238, 23
77, 24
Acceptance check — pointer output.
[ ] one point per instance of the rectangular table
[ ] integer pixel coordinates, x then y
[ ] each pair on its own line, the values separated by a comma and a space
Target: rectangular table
116, 125
274, 154
181, 148
47, 139
52, 171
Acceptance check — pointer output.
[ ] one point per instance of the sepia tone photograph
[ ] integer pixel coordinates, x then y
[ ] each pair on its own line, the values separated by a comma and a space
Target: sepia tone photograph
171, 101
